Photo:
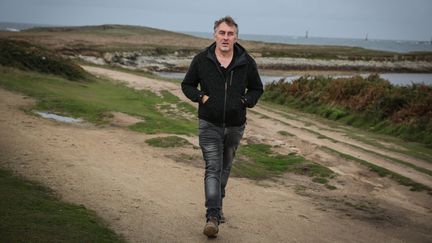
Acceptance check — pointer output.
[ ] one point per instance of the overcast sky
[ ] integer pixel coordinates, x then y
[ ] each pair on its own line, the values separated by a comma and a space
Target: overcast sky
380, 19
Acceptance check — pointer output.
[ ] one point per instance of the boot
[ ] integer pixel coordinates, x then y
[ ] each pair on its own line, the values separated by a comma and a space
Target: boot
211, 228
222, 217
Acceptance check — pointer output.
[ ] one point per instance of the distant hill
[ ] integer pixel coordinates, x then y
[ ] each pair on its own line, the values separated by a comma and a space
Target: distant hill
102, 39
11, 26
97, 40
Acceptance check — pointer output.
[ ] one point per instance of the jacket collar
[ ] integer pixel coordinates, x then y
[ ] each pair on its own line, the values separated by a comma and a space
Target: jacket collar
239, 54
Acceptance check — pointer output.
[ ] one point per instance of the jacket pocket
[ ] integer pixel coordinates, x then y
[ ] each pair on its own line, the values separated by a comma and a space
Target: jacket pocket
209, 103
236, 104
236, 111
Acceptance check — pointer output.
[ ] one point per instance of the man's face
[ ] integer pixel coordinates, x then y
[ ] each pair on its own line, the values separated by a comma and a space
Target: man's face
225, 37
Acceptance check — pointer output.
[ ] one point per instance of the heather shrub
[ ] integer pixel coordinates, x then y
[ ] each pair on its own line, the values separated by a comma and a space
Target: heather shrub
368, 102
26, 56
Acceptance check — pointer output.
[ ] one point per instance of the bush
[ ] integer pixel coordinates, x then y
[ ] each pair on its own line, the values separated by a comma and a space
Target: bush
26, 56
361, 102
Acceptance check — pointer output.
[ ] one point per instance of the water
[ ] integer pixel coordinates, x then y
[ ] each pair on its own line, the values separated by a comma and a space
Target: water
180, 76
401, 46
394, 78
407, 78
57, 117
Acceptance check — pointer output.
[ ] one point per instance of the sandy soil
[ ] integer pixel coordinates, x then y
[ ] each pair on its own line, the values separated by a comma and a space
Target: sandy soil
156, 195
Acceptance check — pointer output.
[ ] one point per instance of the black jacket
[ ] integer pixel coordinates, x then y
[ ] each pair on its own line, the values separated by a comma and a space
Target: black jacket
229, 94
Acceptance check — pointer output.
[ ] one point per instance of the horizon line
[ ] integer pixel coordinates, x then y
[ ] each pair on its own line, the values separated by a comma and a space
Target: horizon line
209, 32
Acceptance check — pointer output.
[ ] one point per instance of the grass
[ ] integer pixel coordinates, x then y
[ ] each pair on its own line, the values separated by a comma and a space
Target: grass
31, 213
383, 172
420, 169
286, 134
417, 168
96, 40
370, 103
167, 142
308, 124
417, 150
27, 56
28, 212
412, 149
320, 180
93, 99
258, 161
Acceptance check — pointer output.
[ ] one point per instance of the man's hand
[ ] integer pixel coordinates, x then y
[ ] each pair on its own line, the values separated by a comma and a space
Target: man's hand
204, 99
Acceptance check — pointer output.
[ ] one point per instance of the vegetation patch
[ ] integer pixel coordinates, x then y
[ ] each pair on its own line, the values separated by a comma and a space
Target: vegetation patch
370, 103
31, 213
383, 172
26, 56
258, 161
168, 142
323, 52
412, 149
93, 100
381, 141
415, 167
174, 107
286, 134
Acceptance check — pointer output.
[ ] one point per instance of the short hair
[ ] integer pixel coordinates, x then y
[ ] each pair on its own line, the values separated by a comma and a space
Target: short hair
228, 20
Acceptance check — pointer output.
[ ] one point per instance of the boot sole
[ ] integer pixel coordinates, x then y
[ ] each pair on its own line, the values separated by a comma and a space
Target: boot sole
211, 231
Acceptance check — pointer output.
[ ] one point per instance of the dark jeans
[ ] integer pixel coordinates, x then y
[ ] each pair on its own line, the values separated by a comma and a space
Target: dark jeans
218, 146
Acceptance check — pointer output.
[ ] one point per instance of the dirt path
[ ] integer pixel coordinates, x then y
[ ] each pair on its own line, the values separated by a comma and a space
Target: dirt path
268, 128
342, 144
339, 136
149, 196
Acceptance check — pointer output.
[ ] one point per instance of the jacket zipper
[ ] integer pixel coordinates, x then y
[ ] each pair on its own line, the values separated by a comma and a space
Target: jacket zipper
226, 91
224, 109
226, 94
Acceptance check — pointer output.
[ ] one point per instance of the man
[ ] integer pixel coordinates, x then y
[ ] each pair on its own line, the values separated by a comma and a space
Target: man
229, 82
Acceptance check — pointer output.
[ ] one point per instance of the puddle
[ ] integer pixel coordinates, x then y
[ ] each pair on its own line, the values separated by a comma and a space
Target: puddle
57, 117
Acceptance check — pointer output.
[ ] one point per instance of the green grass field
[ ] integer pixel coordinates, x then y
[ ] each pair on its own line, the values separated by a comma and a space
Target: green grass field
258, 161
30, 212
92, 100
